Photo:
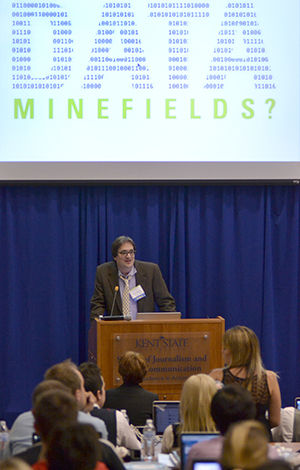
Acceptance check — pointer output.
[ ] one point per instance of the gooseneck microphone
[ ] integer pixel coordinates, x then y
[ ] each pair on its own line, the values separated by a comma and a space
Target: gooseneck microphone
111, 316
114, 301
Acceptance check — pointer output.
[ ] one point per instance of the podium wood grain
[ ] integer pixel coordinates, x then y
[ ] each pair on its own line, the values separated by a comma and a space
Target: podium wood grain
103, 336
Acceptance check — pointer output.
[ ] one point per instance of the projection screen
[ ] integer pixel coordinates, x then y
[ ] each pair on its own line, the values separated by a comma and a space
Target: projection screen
141, 90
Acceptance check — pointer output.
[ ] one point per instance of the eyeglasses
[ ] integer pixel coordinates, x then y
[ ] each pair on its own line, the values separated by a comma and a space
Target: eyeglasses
127, 252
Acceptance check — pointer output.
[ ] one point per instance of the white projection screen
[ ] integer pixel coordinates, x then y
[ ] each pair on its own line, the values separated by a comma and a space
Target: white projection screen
150, 90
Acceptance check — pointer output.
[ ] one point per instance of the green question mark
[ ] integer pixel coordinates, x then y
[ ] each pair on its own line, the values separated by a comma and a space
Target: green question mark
270, 100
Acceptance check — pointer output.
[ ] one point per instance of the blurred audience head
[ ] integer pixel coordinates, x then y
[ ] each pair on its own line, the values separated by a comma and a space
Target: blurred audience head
230, 404
52, 408
14, 464
245, 446
45, 386
132, 367
68, 374
197, 393
73, 448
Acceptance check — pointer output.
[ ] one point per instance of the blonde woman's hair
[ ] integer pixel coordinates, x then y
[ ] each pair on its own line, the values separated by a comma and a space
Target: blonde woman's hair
197, 393
244, 348
245, 446
14, 463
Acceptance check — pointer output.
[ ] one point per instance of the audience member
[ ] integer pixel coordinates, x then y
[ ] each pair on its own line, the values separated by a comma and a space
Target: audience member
289, 428
48, 417
229, 405
196, 396
245, 446
59, 408
21, 433
119, 431
130, 395
73, 448
67, 373
52, 408
244, 366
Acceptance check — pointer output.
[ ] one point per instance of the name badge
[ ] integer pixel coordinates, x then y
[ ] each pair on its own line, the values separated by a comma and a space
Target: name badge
137, 293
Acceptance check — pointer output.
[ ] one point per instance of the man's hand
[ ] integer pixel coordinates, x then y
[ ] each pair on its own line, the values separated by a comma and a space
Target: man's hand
90, 402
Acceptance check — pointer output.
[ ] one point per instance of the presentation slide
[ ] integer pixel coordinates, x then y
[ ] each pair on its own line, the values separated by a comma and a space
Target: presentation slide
150, 81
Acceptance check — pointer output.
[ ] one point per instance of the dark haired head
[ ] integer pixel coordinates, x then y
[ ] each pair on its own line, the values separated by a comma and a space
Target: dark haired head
92, 377
52, 408
118, 242
231, 404
73, 448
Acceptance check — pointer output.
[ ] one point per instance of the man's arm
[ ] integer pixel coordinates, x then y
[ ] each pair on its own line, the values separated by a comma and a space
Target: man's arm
162, 296
284, 432
125, 435
20, 436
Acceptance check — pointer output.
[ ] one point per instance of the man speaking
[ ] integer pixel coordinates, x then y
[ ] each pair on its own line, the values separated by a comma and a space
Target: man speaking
126, 286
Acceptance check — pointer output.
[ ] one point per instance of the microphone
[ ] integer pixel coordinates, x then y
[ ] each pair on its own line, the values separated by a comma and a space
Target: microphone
114, 300
112, 317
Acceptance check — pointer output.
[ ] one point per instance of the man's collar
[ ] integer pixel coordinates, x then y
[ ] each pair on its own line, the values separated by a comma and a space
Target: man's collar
131, 273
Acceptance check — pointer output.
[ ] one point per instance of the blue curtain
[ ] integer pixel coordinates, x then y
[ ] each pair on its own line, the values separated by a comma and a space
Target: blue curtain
223, 250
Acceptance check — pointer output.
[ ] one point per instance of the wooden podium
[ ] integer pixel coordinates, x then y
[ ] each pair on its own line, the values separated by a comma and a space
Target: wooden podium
174, 350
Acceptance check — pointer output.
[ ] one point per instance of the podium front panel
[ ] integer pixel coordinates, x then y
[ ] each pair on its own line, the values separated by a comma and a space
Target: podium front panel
171, 357
174, 350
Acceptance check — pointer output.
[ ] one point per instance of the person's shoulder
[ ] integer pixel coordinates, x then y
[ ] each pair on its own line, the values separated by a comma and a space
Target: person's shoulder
104, 413
31, 454
112, 391
141, 389
217, 374
152, 394
272, 381
112, 397
89, 419
168, 429
26, 417
148, 394
97, 412
109, 265
272, 377
272, 374
145, 265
